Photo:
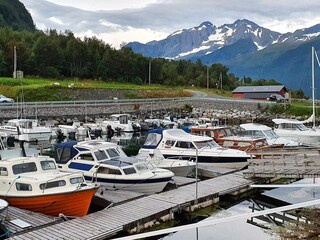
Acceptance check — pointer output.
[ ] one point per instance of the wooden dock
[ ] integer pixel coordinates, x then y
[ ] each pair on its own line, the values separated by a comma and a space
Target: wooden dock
298, 165
142, 212
17, 221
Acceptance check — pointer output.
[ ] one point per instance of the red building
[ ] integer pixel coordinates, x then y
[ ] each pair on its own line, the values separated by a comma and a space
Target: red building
259, 92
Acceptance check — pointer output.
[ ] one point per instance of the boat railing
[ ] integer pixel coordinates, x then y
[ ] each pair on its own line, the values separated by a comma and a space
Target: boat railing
186, 158
61, 177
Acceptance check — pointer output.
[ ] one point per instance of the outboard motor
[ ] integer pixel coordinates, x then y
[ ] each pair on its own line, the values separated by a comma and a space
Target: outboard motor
10, 141
98, 133
60, 135
118, 130
72, 135
136, 127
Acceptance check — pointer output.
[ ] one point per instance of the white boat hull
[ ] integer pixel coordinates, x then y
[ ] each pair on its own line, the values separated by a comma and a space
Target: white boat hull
309, 138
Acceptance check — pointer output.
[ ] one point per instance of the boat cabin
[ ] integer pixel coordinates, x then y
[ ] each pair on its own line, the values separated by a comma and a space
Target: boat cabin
122, 118
225, 137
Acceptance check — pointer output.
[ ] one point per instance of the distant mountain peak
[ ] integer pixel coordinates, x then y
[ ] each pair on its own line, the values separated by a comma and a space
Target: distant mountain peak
206, 24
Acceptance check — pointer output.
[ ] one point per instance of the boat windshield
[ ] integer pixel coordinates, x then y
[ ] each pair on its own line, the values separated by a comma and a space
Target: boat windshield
24, 168
302, 127
141, 167
101, 155
293, 126
210, 144
112, 152
117, 163
129, 170
270, 134
48, 165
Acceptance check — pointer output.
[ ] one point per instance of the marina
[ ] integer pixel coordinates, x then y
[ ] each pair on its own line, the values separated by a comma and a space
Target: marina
114, 125
117, 212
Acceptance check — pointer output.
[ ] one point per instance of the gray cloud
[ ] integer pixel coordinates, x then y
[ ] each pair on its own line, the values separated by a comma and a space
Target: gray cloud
171, 15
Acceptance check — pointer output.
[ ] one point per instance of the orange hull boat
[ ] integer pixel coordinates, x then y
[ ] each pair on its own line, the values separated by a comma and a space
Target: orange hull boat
73, 204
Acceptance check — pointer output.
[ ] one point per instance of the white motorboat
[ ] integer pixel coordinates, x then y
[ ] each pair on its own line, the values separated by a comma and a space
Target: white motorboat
26, 130
263, 131
35, 184
176, 143
107, 164
121, 123
179, 167
76, 128
296, 130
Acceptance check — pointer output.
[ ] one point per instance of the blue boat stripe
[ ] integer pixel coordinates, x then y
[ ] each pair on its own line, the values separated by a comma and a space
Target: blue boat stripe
206, 159
80, 166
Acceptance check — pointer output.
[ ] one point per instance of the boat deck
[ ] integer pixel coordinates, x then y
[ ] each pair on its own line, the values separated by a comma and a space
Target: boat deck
134, 215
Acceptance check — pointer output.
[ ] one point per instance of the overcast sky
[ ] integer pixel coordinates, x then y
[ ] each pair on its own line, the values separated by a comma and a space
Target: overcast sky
117, 21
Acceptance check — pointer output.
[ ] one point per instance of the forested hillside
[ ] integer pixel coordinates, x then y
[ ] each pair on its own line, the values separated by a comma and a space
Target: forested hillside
13, 14
60, 55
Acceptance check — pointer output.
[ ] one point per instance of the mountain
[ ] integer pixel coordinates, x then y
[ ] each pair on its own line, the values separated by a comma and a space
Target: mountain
207, 38
246, 48
13, 14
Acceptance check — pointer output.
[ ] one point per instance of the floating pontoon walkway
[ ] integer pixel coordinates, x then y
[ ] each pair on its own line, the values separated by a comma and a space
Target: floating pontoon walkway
299, 166
139, 213
17, 221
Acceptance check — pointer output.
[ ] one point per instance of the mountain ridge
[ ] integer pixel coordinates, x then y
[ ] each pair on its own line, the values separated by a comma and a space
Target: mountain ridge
246, 48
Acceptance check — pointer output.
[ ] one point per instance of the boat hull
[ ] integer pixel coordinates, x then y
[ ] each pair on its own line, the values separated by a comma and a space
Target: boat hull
147, 186
27, 136
309, 138
74, 204
236, 162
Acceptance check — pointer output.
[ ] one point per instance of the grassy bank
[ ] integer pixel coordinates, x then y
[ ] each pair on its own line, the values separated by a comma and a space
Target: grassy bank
62, 90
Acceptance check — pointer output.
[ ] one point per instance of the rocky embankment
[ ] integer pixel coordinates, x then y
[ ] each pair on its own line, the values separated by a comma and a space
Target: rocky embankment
197, 106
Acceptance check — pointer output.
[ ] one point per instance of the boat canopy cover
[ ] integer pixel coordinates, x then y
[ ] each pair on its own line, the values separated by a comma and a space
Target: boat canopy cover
283, 120
153, 139
254, 126
65, 151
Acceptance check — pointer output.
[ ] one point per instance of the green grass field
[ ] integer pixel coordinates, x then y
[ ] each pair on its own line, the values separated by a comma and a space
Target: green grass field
56, 90
35, 89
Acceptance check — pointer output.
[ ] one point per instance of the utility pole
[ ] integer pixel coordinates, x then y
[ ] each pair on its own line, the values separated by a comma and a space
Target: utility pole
149, 71
207, 77
221, 80
14, 62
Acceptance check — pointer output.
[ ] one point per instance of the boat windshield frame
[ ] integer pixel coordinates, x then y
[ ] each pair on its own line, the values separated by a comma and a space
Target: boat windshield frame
206, 144
302, 127
270, 134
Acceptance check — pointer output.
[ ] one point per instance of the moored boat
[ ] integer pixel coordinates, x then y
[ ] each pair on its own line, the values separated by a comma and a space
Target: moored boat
176, 143
260, 130
179, 167
35, 184
107, 164
296, 130
225, 137
26, 130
